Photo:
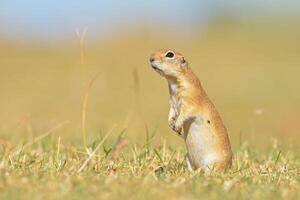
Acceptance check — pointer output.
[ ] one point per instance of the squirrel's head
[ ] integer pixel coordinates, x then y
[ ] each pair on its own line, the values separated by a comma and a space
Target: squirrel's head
168, 63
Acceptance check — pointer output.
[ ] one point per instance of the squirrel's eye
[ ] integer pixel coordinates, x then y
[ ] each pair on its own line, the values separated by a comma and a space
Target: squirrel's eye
169, 54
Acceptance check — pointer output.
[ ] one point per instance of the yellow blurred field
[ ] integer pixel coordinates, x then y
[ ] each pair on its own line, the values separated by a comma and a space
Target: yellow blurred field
250, 73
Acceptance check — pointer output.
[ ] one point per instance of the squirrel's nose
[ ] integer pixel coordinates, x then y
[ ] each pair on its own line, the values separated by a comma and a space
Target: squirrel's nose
151, 59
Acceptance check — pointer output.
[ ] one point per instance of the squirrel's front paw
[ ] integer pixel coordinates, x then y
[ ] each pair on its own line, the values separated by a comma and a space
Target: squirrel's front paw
172, 123
178, 128
175, 127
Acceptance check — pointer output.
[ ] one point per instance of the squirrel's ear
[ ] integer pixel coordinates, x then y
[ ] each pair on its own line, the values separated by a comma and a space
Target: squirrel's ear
184, 63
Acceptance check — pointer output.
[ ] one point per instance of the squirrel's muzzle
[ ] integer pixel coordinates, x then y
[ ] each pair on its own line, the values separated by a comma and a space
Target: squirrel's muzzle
151, 59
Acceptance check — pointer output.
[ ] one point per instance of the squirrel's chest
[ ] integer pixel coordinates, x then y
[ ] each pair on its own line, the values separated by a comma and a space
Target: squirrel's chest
175, 105
174, 100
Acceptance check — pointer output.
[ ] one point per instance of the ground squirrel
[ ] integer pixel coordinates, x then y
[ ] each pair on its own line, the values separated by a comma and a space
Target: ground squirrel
192, 114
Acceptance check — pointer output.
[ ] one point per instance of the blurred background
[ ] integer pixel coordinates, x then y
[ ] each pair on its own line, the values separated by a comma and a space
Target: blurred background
246, 54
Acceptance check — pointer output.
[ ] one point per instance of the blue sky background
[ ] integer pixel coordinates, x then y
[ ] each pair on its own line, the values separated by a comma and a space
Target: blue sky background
50, 19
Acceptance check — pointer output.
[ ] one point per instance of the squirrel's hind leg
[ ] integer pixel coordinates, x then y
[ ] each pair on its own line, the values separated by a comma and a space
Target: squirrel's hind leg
189, 163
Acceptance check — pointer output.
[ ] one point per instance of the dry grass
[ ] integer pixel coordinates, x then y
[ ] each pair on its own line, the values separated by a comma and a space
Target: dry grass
49, 170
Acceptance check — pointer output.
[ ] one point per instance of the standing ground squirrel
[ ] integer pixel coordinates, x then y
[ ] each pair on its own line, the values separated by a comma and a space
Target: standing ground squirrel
193, 114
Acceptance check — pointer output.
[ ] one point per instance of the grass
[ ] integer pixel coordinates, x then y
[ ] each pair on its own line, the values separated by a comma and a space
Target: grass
48, 169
